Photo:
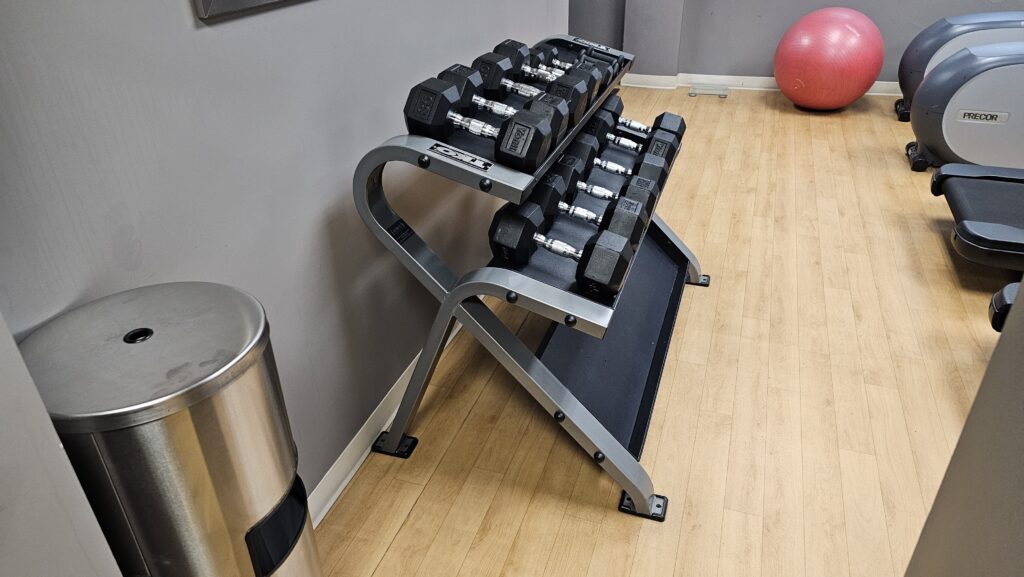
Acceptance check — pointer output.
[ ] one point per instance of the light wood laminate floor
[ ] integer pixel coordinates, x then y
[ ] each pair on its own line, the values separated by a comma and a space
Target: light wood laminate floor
809, 405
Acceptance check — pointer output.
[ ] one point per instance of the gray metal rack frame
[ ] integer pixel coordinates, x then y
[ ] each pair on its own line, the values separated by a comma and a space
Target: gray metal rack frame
460, 301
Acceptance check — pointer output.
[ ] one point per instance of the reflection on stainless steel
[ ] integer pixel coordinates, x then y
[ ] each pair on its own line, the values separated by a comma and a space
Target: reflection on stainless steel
179, 477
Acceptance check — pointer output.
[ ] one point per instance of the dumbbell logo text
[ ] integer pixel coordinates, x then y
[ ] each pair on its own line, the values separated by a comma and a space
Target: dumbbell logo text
518, 138
424, 105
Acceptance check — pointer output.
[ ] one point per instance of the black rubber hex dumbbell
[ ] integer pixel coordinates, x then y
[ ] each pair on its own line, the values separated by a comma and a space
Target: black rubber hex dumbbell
519, 54
659, 143
554, 57
602, 263
603, 67
666, 121
599, 127
525, 58
499, 78
523, 141
624, 216
470, 85
564, 182
648, 165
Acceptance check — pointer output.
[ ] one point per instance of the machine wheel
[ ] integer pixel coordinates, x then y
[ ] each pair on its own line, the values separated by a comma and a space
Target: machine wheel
918, 162
902, 114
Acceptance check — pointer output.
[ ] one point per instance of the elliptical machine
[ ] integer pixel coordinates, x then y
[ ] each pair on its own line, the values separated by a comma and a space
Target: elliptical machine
970, 109
947, 37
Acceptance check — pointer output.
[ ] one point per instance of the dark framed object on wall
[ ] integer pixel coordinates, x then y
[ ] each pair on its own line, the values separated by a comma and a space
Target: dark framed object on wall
215, 8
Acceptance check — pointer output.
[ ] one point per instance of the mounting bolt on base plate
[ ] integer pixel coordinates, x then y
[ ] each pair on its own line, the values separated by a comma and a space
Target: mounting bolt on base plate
659, 507
702, 280
405, 447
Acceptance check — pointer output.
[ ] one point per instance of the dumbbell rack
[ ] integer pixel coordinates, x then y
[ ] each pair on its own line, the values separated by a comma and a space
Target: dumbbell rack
598, 369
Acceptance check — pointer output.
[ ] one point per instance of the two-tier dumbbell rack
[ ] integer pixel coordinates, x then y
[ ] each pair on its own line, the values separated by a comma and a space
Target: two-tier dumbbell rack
598, 369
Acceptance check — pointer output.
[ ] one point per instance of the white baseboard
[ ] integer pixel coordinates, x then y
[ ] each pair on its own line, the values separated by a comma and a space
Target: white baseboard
327, 491
880, 88
650, 81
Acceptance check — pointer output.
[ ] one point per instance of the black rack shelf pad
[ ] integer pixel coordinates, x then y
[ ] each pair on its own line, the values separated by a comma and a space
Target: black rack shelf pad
617, 377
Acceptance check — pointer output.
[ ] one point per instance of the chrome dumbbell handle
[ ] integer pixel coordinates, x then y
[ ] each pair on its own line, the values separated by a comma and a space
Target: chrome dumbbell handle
537, 73
519, 88
502, 110
596, 191
612, 167
580, 213
472, 125
634, 125
558, 247
626, 143
556, 72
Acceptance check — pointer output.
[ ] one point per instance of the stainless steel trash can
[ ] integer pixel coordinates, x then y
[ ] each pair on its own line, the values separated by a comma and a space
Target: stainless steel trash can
168, 403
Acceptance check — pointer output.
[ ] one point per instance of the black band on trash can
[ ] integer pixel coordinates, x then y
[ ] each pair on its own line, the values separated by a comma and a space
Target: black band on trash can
273, 538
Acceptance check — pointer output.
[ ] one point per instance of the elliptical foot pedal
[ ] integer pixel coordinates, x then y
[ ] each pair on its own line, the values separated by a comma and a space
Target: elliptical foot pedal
703, 280
658, 508
405, 447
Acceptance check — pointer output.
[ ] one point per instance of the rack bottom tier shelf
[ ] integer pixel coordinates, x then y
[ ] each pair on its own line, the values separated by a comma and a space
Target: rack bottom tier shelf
617, 377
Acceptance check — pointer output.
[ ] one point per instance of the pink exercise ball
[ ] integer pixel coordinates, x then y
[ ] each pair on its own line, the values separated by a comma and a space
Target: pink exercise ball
829, 58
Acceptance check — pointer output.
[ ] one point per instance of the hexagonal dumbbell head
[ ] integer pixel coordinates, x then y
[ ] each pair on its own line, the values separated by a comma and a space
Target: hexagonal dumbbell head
613, 61
627, 218
670, 123
554, 108
524, 141
614, 105
652, 167
664, 144
585, 147
468, 81
572, 88
548, 193
602, 268
511, 233
570, 169
600, 125
493, 69
592, 75
515, 51
605, 75
427, 108
643, 191
556, 53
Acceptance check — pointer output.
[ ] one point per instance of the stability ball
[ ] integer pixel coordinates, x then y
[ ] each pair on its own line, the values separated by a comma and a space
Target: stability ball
829, 58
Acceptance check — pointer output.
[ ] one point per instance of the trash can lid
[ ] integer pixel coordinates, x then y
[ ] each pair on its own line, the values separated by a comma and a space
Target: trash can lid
143, 354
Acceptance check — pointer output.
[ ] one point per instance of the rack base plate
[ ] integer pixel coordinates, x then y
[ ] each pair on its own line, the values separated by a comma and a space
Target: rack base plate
658, 509
405, 447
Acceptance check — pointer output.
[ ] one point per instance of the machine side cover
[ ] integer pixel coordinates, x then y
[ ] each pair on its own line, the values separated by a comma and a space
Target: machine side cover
927, 114
919, 52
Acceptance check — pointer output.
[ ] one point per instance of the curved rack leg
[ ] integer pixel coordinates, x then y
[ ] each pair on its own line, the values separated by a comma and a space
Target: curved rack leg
693, 273
460, 302
396, 442
390, 229
559, 402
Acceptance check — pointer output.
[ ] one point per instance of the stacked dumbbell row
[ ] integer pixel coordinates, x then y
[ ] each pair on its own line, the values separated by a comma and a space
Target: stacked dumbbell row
551, 96
517, 231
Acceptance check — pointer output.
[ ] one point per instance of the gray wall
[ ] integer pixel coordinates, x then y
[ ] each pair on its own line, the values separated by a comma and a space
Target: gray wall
976, 525
598, 20
738, 37
139, 146
46, 526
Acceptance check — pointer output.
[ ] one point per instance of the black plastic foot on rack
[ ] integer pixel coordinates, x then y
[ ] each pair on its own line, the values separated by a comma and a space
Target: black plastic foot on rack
658, 509
702, 280
405, 447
